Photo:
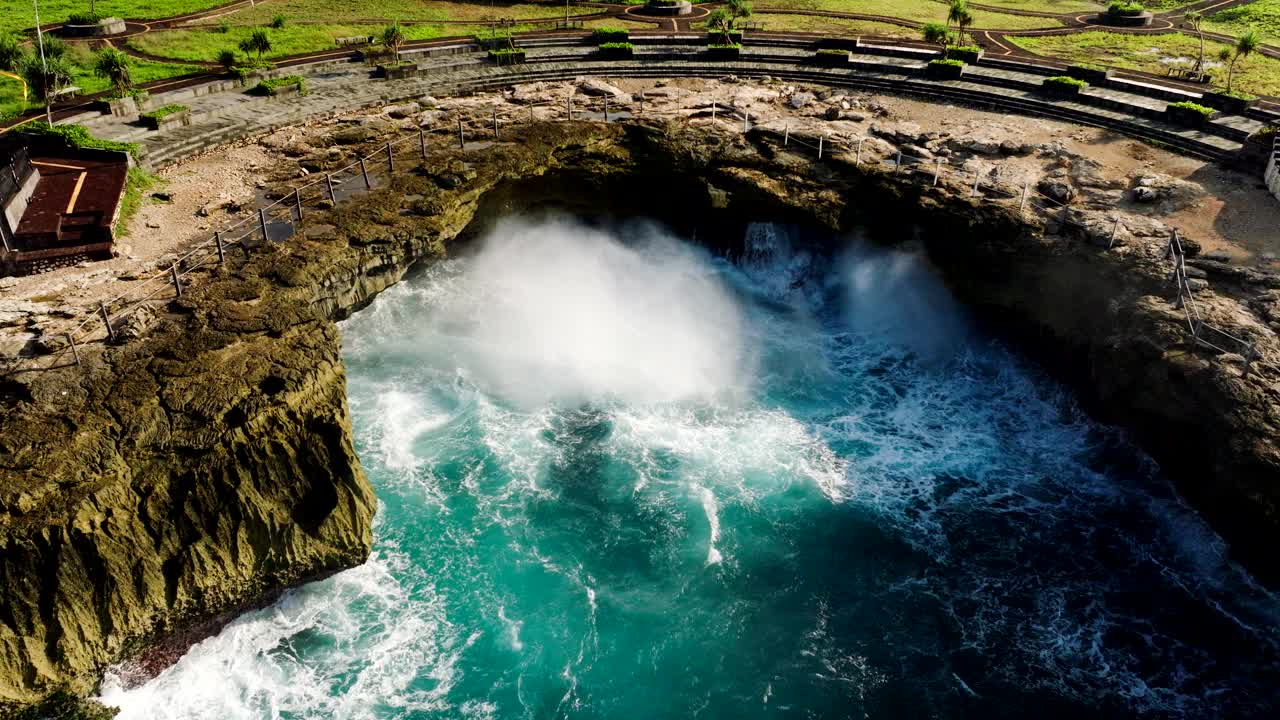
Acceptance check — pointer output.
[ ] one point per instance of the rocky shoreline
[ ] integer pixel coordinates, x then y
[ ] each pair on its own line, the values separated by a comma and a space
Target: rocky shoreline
200, 468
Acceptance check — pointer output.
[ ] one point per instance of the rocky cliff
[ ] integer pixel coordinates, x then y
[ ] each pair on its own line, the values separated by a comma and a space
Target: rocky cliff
201, 467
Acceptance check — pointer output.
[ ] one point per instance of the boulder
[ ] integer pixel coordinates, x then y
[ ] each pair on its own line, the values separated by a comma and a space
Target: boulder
400, 112
800, 100
599, 88
1057, 188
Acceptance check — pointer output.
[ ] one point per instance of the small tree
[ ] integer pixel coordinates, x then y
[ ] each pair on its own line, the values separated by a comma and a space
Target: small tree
393, 38
278, 22
936, 33
1246, 44
52, 46
963, 20
227, 58
259, 42
739, 10
10, 52
1196, 21
113, 65
955, 10
722, 22
45, 78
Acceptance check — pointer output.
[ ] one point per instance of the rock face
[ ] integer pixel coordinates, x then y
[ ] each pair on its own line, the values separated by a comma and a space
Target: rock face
199, 468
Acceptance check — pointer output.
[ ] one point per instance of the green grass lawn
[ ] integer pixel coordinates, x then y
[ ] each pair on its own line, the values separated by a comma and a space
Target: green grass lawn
1050, 6
19, 14
340, 12
204, 43
1263, 15
918, 10
841, 26
1155, 53
11, 102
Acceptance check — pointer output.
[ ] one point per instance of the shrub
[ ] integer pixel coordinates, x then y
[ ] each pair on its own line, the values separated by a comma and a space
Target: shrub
1237, 94
164, 112
950, 62
10, 52
270, 87
724, 46
223, 27
964, 48
834, 52
259, 42
1193, 107
1125, 8
503, 56
277, 22
1089, 66
74, 136
616, 46
610, 35
1064, 81
113, 65
227, 58
83, 19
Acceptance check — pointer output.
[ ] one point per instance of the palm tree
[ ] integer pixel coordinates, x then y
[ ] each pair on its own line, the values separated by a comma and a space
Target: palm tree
114, 66
46, 78
259, 42
1246, 44
393, 38
936, 33
227, 58
954, 12
964, 19
1196, 20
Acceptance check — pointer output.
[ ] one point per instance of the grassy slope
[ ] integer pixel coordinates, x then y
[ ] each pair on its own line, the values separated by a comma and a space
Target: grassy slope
1255, 74
19, 14
1264, 15
918, 10
340, 12
811, 23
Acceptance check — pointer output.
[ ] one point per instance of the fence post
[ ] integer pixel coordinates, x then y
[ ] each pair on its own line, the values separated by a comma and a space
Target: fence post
462, 138
297, 200
746, 121
1248, 358
177, 281
977, 178
75, 351
530, 113
858, 160
106, 319
713, 109
262, 224
222, 254
1114, 228
1022, 206
422, 142
606, 107
937, 170
364, 172
786, 136
568, 107
820, 137
391, 161
897, 164
495, 123
641, 101
1064, 216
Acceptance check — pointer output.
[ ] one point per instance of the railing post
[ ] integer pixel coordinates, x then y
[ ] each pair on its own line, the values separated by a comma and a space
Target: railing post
977, 179
713, 109
786, 136
746, 121
606, 107
1022, 206
391, 161
1064, 216
568, 108
1248, 358
75, 351
297, 201
858, 160
222, 253
642, 101
422, 142
495, 123
364, 172
1114, 229
820, 138
530, 113
897, 164
462, 138
333, 198
106, 319
937, 170
262, 224
177, 280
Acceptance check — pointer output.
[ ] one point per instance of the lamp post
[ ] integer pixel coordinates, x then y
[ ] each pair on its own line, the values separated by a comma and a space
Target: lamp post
44, 66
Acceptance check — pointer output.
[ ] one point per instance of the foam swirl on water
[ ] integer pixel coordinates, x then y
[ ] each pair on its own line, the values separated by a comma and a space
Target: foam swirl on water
621, 478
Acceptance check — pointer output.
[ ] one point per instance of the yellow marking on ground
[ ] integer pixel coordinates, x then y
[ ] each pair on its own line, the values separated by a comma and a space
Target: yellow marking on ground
64, 167
20, 81
75, 194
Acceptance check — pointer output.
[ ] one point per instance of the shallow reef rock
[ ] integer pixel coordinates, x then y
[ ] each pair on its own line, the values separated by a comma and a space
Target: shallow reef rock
201, 467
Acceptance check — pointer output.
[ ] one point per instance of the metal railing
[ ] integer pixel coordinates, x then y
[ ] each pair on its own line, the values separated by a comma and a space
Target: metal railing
279, 219
1202, 332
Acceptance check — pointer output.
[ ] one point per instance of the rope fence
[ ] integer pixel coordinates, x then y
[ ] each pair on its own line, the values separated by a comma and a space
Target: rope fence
278, 220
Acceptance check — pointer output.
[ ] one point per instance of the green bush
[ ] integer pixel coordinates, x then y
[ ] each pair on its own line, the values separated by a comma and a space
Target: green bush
10, 52
1064, 81
963, 48
724, 46
834, 52
83, 19
503, 56
1088, 66
610, 35
1237, 94
616, 46
164, 112
1193, 107
223, 27
950, 62
1125, 8
74, 136
277, 22
271, 86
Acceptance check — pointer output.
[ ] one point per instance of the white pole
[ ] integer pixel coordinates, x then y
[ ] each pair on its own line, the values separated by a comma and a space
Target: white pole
44, 82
